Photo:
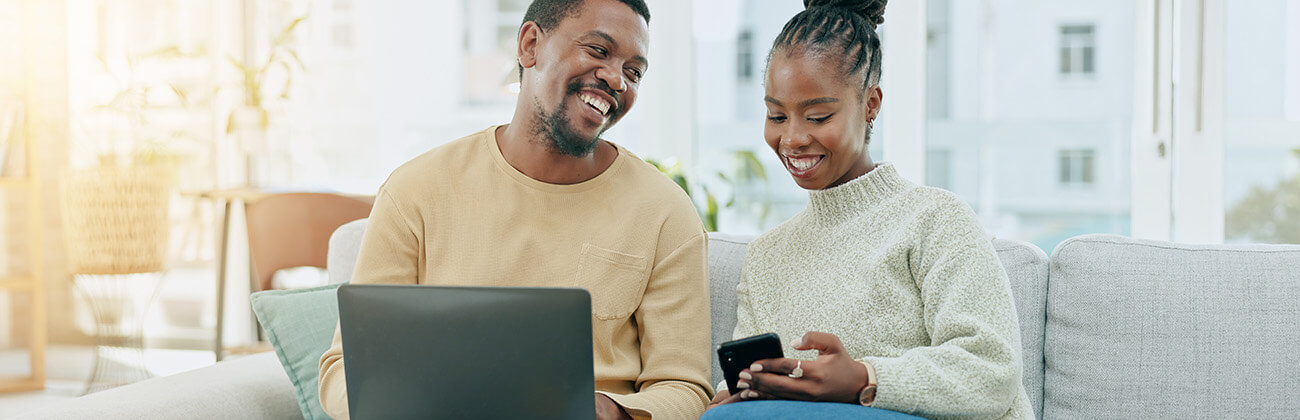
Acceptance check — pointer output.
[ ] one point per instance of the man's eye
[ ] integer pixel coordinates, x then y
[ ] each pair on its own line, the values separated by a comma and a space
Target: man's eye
601, 51
634, 74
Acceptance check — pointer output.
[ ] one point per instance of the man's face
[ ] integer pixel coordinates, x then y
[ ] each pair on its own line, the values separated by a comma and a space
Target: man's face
586, 74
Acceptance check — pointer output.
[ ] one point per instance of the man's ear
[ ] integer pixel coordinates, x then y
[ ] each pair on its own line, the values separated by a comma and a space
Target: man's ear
874, 99
529, 38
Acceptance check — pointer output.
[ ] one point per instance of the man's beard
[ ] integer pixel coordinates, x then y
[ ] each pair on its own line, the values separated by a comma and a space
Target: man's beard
565, 139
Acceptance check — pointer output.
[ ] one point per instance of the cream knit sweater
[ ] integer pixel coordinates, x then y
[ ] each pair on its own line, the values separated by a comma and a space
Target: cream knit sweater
905, 276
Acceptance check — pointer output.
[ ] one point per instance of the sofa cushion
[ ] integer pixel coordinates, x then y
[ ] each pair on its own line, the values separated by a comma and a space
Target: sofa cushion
726, 260
248, 387
1026, 267
300, 324
1147, 329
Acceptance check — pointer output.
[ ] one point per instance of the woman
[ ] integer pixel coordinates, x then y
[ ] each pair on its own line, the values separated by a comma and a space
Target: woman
891, 291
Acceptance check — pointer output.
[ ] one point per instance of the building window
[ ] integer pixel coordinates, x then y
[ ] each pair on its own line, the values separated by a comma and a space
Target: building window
1078, 50
745, 56
1078, 167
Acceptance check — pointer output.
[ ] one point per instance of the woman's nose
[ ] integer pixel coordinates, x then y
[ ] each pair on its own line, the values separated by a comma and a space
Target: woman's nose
794, 138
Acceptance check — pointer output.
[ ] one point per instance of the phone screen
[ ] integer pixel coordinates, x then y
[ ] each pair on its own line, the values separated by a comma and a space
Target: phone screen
736, 355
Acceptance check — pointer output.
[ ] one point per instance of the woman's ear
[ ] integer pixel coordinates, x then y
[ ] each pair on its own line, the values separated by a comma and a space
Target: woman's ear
529, 37
874, 98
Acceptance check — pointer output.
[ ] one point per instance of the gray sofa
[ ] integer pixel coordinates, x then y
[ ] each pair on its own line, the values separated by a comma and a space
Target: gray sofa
1112, 327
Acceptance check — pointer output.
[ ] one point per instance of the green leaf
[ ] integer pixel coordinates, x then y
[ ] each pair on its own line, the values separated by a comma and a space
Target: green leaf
710, 211
235, 62
294, 55
180, 94
288, 80
170, 51
753, 168
288, 30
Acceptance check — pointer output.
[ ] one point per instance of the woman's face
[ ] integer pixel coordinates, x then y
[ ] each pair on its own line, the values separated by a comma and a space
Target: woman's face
817, 119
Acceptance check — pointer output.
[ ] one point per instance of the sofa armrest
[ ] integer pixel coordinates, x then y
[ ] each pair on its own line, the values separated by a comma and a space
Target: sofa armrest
251, 387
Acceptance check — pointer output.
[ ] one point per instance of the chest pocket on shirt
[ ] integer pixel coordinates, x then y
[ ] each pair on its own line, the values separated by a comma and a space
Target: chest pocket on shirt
615, 280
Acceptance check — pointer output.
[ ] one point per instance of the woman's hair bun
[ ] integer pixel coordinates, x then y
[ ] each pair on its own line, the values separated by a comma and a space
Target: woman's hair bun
872, 10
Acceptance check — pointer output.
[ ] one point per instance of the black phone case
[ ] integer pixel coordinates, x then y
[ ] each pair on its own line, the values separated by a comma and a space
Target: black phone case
736, 355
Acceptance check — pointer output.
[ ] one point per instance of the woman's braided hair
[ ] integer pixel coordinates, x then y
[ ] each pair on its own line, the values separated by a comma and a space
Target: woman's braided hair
843, 28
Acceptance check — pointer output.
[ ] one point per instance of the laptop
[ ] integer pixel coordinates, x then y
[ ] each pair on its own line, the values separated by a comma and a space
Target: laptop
425, 352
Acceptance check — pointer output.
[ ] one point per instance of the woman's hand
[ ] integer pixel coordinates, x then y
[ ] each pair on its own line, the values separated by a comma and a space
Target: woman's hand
724, 397
834, 376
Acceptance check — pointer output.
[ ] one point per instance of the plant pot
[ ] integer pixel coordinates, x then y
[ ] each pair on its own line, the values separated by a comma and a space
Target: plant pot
117, 218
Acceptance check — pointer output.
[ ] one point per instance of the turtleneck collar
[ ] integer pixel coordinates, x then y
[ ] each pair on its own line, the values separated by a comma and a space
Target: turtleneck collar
847, 200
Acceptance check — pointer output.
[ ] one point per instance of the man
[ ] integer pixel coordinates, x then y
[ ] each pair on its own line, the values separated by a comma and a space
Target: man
543, 201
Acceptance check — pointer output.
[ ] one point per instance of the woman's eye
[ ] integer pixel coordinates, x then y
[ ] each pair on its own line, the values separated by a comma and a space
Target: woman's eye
776, 119
820, 120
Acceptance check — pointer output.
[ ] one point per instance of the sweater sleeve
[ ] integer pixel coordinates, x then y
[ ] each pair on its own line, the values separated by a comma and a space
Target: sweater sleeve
389, 254
673, 327
972, 366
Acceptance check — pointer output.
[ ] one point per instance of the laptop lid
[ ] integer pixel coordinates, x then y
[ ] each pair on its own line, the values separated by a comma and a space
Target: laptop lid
467, 352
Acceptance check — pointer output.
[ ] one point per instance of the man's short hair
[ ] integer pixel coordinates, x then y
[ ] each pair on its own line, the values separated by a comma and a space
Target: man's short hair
549, 13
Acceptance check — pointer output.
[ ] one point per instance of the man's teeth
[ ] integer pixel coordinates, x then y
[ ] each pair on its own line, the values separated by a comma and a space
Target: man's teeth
595, 102
804, 163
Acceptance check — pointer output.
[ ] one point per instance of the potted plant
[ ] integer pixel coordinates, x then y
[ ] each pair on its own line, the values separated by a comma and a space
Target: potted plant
116, 209
264, 83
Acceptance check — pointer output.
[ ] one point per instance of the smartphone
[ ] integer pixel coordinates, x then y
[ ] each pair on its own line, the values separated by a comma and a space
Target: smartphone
736, 355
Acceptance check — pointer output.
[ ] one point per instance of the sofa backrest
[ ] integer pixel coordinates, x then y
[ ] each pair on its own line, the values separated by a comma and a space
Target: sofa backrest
1146, 329
345, 244
1026, 267
726, 259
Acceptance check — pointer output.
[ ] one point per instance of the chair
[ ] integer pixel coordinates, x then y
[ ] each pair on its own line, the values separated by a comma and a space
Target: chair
293, 230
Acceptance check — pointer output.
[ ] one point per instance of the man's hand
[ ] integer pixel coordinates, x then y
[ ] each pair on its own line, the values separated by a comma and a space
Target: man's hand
607, 409
834, 376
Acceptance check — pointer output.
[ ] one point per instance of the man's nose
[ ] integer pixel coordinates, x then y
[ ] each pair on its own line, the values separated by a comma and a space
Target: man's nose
612, 78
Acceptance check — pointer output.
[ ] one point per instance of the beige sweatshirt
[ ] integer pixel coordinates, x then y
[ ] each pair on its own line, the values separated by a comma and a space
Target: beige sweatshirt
907, 279
461, 215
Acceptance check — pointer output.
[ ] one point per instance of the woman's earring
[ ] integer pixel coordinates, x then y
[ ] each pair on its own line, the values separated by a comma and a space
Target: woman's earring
871, 124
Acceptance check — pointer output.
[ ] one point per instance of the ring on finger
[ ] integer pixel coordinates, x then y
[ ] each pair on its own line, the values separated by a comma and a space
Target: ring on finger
798, 370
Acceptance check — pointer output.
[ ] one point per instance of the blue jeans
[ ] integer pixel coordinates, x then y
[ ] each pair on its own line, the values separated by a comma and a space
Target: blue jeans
783, 410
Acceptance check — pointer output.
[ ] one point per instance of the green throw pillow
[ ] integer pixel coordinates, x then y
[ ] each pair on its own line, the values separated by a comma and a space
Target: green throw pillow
300, 324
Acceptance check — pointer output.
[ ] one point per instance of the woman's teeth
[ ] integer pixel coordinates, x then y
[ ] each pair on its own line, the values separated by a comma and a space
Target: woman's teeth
804, 164
597, 103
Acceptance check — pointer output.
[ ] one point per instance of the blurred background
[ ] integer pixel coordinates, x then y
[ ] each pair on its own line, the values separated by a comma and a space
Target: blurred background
1171, 120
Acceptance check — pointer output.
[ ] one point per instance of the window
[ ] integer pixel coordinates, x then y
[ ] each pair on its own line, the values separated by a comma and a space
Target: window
1077, 167
745, 56
937, 164
490, 75
1077, 50
1261, 127
1022, 148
